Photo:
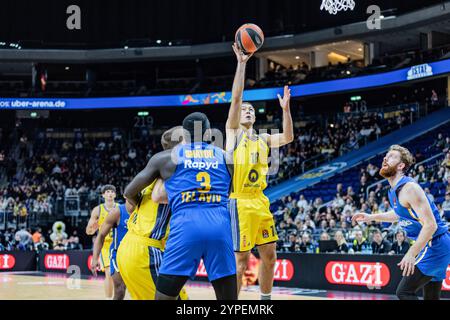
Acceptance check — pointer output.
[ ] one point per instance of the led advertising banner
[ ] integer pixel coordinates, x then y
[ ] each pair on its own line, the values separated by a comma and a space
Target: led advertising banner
382, 79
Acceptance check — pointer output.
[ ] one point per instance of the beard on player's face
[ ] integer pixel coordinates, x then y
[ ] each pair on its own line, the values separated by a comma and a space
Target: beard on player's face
388, 171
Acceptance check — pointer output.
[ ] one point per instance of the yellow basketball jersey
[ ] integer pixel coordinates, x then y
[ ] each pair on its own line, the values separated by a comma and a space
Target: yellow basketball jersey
250, 165
103, 213
150, 219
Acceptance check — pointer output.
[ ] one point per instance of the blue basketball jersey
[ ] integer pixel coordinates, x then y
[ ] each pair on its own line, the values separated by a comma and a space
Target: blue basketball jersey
200, 226
409, 220
201, 178
121, 229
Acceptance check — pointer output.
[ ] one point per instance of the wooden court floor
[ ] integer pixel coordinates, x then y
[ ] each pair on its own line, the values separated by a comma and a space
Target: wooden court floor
36, 286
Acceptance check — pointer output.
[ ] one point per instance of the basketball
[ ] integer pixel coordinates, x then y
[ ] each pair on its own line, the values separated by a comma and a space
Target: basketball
249, 38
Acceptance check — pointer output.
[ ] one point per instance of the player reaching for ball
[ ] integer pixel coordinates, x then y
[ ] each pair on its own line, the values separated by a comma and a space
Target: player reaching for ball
252, 221
420, 218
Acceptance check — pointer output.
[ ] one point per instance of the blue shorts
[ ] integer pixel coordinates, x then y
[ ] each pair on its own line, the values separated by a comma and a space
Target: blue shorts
113, 267
434, 259
204, 233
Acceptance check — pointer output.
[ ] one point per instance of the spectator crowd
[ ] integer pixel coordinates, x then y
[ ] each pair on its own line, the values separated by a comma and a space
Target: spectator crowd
49, 169
26, 239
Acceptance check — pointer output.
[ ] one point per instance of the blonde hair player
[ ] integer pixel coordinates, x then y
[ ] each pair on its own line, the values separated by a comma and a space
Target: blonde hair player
98, 216
425, 263
252, 221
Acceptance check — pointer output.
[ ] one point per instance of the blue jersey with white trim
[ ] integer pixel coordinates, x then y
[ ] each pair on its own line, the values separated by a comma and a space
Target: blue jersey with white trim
201, 178
121, 229
409, 220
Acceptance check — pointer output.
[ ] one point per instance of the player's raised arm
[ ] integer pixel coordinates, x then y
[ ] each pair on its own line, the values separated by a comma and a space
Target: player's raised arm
111, 221
234, 114
287, 136
415, 198
92, 225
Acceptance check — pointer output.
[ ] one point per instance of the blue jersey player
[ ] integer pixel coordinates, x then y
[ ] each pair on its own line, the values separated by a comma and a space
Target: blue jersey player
425, 263
116, 221
197, 183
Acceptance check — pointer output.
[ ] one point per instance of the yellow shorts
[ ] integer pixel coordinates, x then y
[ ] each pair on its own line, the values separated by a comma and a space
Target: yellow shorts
252, 222
139, 259
105, 256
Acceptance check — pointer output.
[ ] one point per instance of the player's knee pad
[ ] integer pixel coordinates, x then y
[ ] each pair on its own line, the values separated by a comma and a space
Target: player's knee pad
170, 285
403, 293
226, 288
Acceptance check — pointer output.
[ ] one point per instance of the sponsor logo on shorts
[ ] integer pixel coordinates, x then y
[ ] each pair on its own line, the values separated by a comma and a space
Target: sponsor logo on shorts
244, 241
7, 261
265, 234
358, 273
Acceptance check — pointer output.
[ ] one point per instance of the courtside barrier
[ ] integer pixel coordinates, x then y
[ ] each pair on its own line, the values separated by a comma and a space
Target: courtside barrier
66, 261
17, 261
342, 272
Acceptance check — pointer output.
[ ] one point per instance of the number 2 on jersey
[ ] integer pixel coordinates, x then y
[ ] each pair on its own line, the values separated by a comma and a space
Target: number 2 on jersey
205, 182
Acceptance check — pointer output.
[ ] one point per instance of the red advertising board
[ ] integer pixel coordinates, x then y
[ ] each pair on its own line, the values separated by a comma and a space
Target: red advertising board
284, 270
373, 274
56, 261
7, 261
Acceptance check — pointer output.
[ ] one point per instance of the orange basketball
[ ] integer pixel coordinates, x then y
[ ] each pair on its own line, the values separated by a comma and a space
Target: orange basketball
249, 38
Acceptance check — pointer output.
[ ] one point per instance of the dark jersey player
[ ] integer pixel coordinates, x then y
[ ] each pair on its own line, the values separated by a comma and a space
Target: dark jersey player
197, 182
425, 263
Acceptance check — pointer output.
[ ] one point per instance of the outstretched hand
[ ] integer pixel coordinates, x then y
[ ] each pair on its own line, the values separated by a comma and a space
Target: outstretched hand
241, 56
360, 217
284, 102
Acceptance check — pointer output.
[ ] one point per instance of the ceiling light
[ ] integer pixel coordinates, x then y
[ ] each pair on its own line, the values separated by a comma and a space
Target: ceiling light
297, 57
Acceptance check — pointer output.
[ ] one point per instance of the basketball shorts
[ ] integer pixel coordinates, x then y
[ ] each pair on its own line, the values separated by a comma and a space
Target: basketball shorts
434, 259
201, 233
105, 255
113, 267
252, 222
139, 259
